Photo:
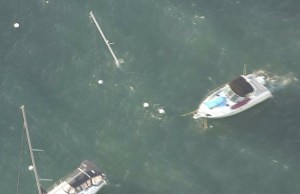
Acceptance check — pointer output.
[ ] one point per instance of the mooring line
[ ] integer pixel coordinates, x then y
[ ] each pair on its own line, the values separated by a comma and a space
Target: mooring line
189, 113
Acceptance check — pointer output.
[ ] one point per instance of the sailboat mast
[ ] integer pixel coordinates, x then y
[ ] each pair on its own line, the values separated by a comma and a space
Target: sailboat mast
30, 150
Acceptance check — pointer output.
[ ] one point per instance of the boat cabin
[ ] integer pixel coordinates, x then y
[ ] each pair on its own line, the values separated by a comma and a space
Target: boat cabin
84, 177
238, 89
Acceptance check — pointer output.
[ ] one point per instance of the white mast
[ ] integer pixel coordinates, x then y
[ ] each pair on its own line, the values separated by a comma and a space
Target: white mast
245, 70
30, 150
117, 62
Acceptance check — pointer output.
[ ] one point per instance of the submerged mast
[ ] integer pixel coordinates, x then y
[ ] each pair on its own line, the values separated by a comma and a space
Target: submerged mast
117, 62
30, 150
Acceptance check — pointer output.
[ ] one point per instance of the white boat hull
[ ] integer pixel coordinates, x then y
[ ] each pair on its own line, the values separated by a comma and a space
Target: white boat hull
92, 190
260, 94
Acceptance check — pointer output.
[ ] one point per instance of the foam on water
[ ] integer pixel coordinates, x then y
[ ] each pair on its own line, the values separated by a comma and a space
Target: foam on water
277, 82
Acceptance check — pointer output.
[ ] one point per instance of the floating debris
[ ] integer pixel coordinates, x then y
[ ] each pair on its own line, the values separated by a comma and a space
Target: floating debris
16, 25
204, 124
145, 105
275, 161
155, 116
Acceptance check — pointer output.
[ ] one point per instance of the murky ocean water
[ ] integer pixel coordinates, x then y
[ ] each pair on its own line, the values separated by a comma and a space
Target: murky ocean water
174, 53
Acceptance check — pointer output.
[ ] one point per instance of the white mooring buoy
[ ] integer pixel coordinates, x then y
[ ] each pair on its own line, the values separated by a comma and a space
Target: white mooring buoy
161, 111
30, 167
100, 81
16, 25
145, 105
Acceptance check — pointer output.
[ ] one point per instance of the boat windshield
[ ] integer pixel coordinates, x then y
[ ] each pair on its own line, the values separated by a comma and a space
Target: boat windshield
231, 95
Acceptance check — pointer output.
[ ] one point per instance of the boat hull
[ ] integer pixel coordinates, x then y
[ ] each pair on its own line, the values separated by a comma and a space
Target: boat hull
207, 109
200, 113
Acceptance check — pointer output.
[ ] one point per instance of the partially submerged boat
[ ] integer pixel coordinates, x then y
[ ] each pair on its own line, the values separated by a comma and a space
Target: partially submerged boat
86, 179
234, 97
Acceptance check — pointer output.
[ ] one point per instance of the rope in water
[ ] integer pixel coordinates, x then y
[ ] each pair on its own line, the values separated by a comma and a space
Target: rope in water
189, 113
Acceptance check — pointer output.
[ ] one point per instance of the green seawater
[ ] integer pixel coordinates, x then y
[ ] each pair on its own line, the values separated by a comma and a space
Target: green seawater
174, 53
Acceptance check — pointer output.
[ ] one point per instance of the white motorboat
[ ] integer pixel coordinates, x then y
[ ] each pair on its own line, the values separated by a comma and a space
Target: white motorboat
86, 179
234, 97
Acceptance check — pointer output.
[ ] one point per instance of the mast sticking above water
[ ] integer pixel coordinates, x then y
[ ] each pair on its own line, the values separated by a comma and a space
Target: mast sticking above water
30, 150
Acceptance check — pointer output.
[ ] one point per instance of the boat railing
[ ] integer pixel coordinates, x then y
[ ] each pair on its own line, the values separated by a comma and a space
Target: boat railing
95, 180
64, 178
211, 92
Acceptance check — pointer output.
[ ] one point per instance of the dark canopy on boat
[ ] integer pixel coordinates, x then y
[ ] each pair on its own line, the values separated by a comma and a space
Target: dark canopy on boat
240, 86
